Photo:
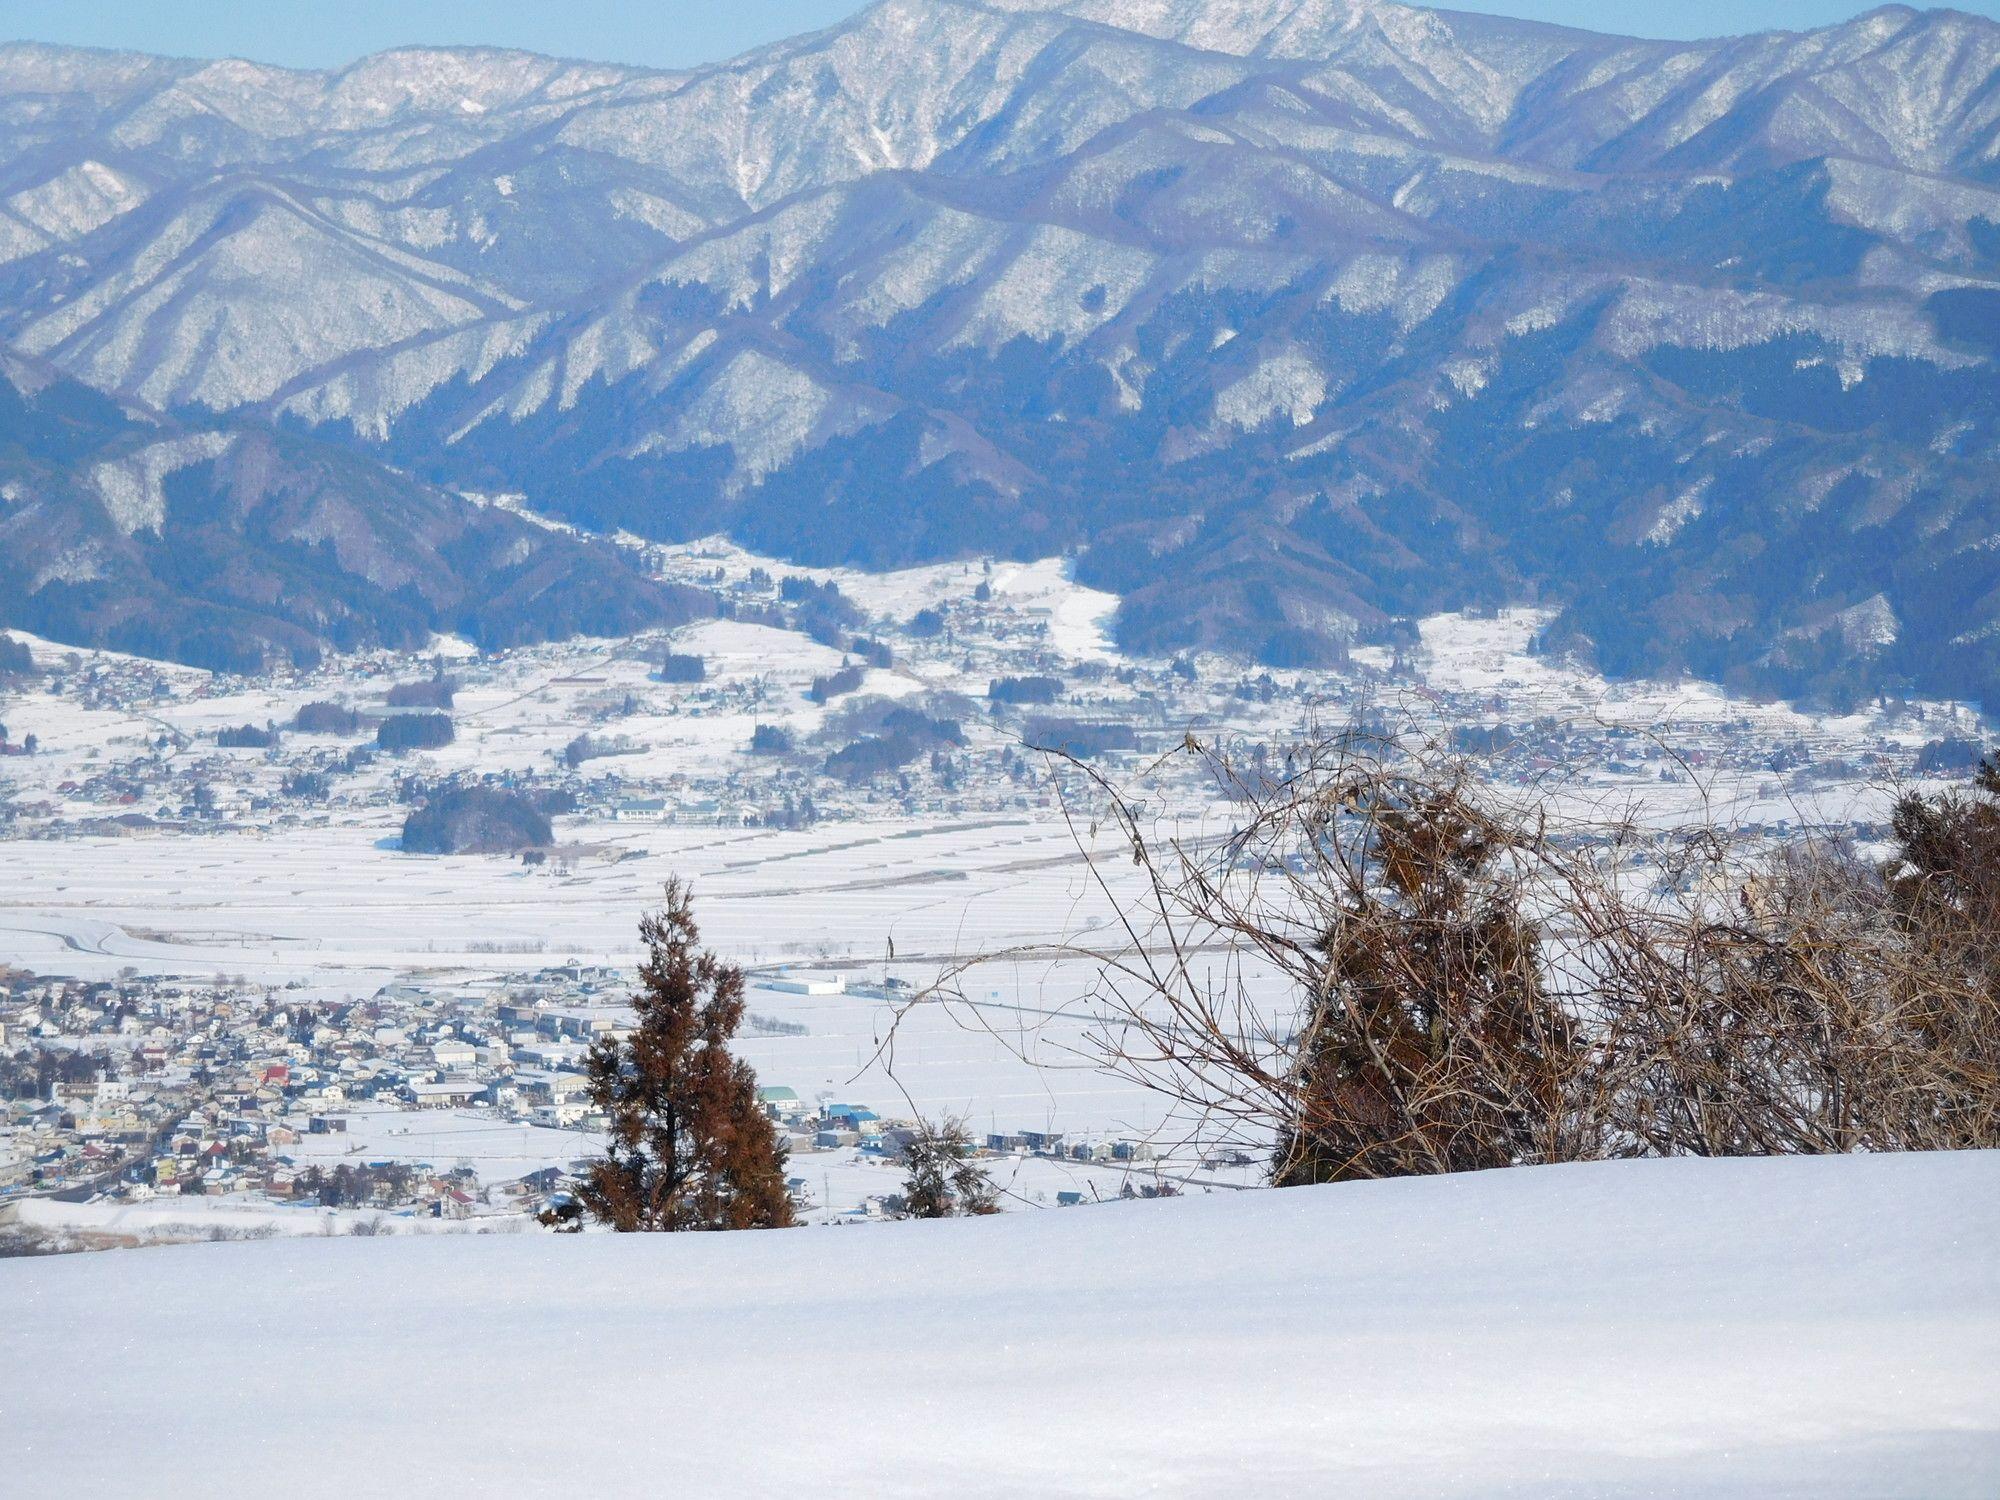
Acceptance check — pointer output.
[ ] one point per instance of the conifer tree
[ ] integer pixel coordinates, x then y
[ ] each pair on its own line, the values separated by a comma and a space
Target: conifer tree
690, 1147
1431, 1045
943, 1182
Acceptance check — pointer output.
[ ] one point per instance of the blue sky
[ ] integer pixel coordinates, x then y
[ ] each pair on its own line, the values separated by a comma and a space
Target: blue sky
673, 33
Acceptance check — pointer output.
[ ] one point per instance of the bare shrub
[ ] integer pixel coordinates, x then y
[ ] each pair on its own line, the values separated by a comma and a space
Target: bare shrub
1477, 984
1827, 1007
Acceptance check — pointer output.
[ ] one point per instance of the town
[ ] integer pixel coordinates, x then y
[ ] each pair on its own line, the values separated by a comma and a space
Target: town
840, 697
417, 1108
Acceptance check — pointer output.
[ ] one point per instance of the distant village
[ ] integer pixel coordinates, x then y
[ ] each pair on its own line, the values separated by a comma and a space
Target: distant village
949, 712
141, 1091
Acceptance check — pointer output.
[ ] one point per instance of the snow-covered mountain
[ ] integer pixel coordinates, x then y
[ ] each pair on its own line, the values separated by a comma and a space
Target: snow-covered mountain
232, 546
1292, 316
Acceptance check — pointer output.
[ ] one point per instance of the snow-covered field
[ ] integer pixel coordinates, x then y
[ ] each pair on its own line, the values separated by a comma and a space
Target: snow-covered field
1818, 1328
177, 1220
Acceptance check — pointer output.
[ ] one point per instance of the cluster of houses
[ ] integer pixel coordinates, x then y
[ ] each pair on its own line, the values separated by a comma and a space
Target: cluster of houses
160, 774
829, 1125
143, 1088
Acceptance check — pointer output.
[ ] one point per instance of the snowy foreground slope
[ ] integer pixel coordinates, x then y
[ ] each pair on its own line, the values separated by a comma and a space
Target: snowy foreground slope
1801, 1327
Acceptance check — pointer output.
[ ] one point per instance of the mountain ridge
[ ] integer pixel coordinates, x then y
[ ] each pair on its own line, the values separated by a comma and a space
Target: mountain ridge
236, 547
1434, 307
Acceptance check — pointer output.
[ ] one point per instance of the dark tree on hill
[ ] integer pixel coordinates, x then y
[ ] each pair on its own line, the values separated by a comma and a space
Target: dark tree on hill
690, 1147
436, 692
677, 667
874, 756
476, 820
942, 1181
828, 686
414, 732
1024, 689
326, 718
1084, 741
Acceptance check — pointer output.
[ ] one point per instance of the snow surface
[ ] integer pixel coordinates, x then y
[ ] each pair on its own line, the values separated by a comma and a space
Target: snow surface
1805, 1327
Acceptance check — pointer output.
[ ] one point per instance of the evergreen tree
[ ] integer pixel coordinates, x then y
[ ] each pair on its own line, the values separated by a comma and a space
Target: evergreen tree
943, 1182
690, 1147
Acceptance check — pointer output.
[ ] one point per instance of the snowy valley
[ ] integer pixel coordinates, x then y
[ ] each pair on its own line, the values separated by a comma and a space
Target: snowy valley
1296, 697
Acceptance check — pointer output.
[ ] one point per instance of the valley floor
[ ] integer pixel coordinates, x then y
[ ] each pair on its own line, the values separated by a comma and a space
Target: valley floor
1803, 1327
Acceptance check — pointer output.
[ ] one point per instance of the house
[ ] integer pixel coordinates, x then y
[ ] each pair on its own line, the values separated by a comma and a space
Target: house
781, 1103
803, 984
587, 1023
449, 1093
552, 1088
852, 1117
502, 1093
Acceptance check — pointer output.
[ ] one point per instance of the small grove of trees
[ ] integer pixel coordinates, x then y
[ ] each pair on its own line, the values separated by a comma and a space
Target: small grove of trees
326, 718
820, 610
15, 658
1946, 757
830, 685
926, 729
356, 1185
941, 1180
307, 786
1024, 689
906, 734
1477, 983
1068, 737
476, 820
34, 1075
247, 737
400, 732
791, 813
677, 667
770, 739
433, 692
689, 1146
872, 756
586, 747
